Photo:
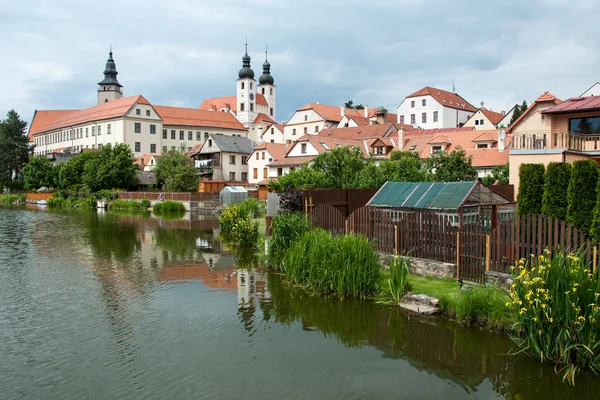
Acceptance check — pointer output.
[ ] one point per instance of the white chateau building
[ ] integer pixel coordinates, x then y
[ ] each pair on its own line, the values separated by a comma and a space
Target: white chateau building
254, 105
133, 120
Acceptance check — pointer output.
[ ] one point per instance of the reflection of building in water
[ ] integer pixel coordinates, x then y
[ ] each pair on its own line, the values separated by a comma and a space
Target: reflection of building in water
216, 279
252, 285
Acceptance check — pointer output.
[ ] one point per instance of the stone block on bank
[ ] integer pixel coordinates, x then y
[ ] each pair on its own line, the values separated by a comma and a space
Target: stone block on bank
420, 304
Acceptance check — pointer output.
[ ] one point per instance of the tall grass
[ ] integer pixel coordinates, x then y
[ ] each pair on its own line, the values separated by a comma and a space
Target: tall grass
343, 265
398, 281
483, 305
57, 201
254, 207
556, 302
131, 205
286, 228
168, 206
7, 199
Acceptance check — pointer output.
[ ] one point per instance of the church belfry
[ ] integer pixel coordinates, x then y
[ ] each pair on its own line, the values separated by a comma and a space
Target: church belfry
246, 92
110, 88
266, 86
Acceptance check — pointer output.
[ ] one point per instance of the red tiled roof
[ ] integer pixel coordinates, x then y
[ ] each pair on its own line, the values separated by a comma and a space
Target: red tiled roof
291, 161
492, 116
445, 98
324, 144
217, 103
260, 100
359, 132
43, 118
488, 157
276, 150
278, 126
197, 117
145, 159
440, 139
437, 131
575, 104
261, 117
545, 97
486, 137
110, 109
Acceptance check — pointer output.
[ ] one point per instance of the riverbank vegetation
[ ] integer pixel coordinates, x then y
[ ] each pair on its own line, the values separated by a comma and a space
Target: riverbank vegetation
8, 199
57, 201
237, 227
555, 299
129, 205
168, 206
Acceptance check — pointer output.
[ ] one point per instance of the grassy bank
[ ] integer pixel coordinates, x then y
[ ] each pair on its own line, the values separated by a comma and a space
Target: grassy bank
7, 199
130, 205
60, 202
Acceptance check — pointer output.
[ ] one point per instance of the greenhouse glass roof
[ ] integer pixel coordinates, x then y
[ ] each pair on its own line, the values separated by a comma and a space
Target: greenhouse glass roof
447, 196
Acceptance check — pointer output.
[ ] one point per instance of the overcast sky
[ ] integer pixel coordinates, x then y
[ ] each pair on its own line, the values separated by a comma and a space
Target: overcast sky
178, 52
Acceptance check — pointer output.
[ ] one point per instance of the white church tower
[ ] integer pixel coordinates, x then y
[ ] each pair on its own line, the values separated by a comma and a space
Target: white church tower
246, 92
266, 86
110, 88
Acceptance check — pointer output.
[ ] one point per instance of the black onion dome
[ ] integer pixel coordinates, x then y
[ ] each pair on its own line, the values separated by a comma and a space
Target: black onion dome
246, 71
110, 72
266, 77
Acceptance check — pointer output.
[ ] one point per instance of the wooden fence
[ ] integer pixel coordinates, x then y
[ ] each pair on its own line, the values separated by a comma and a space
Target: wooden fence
430, 235
39, 196
175, 196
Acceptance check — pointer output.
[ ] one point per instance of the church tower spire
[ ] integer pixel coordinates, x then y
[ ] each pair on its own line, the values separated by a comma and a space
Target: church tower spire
109, 88
246, 92
266, 85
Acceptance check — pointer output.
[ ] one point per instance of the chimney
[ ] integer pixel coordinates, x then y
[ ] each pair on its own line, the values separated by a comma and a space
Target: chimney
381, 115
342, 111
401, 139
503, 113
501, 140
366, 111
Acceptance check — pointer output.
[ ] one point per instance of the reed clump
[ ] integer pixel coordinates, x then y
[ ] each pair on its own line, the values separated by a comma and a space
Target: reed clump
129, 205
286, 228
168, 206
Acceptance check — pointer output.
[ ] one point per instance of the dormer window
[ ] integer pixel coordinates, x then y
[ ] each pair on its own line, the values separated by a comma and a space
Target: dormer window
483, 146
379, 150
436, 149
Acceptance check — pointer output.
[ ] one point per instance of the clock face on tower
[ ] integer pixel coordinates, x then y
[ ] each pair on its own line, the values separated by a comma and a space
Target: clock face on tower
251, 96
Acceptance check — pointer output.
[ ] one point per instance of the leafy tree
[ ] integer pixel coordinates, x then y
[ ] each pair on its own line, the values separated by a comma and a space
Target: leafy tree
582, 194
71, 172
176, 172
455, 166
38, 172
595, 229
556, 184
341, 167
350, 105
531, 189
304, 177
15, 148
402, 166
500, 173
111, 167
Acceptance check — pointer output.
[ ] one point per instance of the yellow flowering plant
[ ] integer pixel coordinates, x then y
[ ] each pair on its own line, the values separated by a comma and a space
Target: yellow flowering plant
237, 228
555, 299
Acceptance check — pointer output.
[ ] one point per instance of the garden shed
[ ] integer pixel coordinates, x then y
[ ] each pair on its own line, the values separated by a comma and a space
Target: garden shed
460, 203
233, 195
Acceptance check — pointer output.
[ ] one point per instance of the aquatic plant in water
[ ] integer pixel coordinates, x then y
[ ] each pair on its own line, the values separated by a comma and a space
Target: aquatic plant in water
556, 302
398, 280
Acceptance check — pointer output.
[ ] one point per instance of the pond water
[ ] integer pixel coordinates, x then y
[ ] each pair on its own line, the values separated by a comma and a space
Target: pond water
101, 306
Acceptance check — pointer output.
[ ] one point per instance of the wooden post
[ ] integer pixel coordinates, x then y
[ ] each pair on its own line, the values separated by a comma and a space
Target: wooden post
488, 254
595, 258
396, 239
458, 255
306, 208
346, 226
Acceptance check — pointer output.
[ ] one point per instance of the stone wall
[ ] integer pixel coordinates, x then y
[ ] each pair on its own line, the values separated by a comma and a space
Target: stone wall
420, 266
500, 279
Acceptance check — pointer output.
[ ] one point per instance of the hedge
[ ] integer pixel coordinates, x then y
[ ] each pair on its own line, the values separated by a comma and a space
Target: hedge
582, 194
556, 184
531, 189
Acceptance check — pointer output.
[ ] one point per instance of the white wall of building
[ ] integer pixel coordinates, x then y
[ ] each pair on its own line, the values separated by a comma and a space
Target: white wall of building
446, 117
272, 135
296, 151
480, 122
305, 122
257, 163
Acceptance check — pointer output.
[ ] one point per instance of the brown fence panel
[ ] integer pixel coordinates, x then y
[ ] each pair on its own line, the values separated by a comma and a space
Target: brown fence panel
472, 253
328, 218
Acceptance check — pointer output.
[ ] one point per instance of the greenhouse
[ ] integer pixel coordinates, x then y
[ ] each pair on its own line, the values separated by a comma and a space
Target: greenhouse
461, 203
233, 195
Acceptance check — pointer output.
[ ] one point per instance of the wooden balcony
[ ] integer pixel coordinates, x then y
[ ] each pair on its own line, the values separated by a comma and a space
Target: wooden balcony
543, 140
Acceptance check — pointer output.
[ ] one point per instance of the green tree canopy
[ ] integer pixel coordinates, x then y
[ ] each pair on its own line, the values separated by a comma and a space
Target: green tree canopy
531, 189
582, 194
110, 168
519, 109
304, 177
38, 173
71, 172
500, 173
15, 148
556, 185
341, 166
455, 166
176, 172
350, 104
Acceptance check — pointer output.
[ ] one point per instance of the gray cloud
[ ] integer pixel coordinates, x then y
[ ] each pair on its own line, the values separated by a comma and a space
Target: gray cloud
182, 51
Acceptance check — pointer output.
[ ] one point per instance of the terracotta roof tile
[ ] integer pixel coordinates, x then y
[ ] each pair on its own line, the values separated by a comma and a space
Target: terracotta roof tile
291, 161
43, 118
260, 100
261, 117
218, 103
197, 117
278, 126
493, 116
546, 96
145, 159
324, 144
576, 104
110, 109
359, 132
440, 139
276, 150
447, 99
486, 137
438, 131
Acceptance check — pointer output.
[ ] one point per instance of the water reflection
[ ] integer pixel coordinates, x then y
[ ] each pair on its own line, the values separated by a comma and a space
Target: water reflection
160, 309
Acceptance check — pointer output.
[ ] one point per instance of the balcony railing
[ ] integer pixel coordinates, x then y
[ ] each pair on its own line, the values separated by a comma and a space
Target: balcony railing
542, 140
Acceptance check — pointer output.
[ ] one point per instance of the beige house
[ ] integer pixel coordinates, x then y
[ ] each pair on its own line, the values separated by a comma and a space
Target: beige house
273, 133
224, 158
484, 120
551, 130
264, 154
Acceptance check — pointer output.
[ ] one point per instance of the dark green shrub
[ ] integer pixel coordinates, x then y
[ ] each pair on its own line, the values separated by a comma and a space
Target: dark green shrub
145, 203
345, 265
168, 206
556, 185
582, 194
12, 185
286, 228
595, 229
531, 189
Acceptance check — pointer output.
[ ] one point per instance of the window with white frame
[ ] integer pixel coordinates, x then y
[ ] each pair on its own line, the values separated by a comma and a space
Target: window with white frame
435, 116
379, 150
412, 104
436, 149
413, 119
303, 148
